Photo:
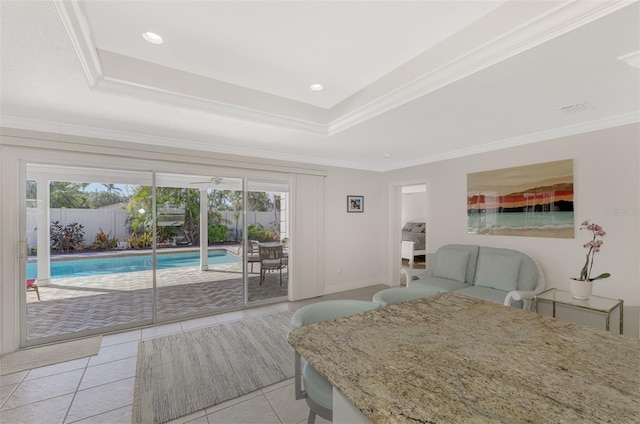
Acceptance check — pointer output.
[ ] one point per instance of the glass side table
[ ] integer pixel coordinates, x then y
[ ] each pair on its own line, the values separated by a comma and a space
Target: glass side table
593, 303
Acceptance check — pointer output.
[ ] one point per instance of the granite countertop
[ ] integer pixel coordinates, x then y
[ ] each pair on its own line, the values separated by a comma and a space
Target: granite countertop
456, 359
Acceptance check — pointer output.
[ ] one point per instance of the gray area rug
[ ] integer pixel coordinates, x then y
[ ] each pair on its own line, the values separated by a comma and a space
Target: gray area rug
183, 373
48, 355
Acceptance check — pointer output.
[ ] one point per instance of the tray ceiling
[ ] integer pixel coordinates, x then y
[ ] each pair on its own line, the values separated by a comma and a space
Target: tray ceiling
405, 82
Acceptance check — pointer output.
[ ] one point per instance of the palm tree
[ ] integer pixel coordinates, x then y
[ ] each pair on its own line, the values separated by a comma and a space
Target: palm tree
259, 201
64, 194
177, 197
112, 187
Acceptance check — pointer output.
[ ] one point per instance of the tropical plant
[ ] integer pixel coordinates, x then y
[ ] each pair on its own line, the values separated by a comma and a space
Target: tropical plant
65, 194
112, 187
236, 219
65, 238
32, 190
594, 247
216, 233
97, 199
259, 201
140, 218
259, 233
140, 241
104, 241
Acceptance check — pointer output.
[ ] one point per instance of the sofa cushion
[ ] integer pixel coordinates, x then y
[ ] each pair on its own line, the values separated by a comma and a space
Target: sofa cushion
492, 295
440, 284
471, 263
402, 294
528, 274
498, 270
451, 264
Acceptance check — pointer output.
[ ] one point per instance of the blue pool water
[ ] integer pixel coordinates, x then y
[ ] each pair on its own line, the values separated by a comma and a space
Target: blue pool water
119, 264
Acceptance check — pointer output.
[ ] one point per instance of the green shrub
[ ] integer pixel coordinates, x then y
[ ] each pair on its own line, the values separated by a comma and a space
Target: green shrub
216, 233
259, 233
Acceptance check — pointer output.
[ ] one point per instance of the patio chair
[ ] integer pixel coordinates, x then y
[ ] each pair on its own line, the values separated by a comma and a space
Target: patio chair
253, 255
271, 259
32, 285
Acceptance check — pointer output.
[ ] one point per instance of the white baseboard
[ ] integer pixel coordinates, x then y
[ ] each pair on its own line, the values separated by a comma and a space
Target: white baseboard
335, 288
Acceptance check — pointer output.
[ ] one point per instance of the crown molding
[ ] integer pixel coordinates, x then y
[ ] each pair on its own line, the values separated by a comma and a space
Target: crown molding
110, 85
566, 17
75, 26
74, 22
222, 147
170, 142
585, 127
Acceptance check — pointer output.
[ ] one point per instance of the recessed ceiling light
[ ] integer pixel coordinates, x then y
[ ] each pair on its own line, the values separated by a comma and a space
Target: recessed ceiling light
387, 155
316, 87
152, 37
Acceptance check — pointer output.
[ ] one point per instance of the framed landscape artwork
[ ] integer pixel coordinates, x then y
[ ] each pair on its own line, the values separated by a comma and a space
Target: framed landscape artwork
355, 203
533, 201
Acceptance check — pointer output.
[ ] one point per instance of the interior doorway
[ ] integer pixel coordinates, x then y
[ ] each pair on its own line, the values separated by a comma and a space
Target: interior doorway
414, 249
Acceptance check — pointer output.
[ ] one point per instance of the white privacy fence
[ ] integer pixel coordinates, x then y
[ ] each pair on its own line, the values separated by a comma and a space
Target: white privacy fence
113, 221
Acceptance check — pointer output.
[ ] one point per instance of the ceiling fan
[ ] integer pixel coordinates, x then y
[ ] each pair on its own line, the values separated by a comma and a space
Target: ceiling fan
212, 180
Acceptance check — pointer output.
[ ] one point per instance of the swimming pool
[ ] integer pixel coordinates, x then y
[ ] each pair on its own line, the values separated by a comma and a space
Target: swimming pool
120, 264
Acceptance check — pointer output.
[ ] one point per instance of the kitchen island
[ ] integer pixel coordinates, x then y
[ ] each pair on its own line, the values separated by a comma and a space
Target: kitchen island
451, 358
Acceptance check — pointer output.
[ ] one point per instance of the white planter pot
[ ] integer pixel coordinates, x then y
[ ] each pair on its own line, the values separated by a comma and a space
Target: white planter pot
580, 290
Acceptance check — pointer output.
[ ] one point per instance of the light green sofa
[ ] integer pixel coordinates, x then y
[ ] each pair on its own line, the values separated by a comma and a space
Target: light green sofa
504, 276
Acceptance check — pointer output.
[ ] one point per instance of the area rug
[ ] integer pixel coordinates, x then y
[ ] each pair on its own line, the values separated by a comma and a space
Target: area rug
48, 355
183, 373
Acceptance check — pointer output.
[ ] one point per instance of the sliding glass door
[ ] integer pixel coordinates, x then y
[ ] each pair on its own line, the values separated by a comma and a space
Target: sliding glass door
267, 233
199, 257
110, 249
80, 278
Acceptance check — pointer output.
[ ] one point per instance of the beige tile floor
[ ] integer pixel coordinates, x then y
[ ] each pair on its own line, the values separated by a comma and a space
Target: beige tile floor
99, 389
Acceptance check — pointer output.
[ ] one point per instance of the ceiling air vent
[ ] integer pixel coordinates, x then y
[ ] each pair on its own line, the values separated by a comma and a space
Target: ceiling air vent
578, 107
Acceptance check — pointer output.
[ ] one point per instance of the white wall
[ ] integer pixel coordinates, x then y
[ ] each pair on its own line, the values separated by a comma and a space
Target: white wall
414, 206
358, 251
355, 243
606, 177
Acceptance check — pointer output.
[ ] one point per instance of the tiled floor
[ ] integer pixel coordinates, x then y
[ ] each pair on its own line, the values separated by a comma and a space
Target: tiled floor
99, 389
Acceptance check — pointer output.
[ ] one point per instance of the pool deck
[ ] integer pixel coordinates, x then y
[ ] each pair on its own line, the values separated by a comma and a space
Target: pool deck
78, 304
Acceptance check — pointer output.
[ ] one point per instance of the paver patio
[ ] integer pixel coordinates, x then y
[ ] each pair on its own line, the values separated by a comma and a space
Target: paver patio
71, 305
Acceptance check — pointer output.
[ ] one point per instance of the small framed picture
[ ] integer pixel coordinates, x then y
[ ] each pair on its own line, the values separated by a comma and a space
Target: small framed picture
355, 203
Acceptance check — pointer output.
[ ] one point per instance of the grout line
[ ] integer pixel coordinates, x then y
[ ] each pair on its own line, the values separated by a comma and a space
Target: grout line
64, 419
97, 415
273, 409
10, 394
34, 403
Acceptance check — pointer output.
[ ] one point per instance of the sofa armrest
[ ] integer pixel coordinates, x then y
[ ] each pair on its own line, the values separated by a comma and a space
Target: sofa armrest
525, 296
417, 273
